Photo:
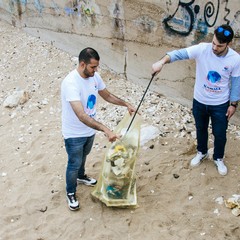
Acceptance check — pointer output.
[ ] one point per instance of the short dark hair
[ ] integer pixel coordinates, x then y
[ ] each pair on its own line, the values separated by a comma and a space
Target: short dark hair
86, 54
224, 33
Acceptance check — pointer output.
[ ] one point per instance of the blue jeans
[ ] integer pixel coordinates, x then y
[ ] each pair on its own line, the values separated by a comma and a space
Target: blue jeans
77, 150
202, 114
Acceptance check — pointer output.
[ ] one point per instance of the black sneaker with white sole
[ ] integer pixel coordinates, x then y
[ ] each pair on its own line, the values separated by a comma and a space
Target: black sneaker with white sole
87, 180
72, 201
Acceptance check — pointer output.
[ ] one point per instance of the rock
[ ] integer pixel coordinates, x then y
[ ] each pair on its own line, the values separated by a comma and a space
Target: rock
236, 211
18, 97
234, 204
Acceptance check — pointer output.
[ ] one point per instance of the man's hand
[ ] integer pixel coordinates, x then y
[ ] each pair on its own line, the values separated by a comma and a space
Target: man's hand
112, 137
131, 109
231, 110
157, 66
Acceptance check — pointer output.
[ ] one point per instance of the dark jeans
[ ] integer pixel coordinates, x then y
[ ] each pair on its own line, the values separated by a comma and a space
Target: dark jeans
77, 150
202, 114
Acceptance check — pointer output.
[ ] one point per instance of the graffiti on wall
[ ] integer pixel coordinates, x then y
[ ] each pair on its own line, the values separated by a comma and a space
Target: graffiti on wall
183, 16
181, 21
87, 11
38, 5
22, 4
236, 24
189, 15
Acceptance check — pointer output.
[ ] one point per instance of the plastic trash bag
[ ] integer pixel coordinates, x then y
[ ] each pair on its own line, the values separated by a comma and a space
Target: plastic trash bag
116, 185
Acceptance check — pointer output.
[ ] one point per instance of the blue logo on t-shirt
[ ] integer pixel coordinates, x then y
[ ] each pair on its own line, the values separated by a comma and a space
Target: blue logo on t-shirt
213, 76
91, 101
90, 105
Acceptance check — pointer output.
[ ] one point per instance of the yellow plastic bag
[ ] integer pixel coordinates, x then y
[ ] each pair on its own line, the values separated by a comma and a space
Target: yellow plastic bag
116, 185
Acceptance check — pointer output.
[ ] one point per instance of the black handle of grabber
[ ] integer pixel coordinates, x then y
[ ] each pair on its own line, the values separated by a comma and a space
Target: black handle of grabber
140, 102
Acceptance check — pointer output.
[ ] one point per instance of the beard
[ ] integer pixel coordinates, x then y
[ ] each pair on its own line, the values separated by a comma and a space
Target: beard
87, 73
220, 53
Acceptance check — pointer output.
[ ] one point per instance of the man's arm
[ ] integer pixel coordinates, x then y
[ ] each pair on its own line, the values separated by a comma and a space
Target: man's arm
111, 98
170, 57
234, 96
235, 89
90, 122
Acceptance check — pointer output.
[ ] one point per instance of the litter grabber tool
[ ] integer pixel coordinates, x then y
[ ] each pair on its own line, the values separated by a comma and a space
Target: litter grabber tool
140, 103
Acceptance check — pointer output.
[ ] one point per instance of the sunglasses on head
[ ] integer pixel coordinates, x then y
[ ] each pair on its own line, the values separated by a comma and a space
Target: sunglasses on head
225, 32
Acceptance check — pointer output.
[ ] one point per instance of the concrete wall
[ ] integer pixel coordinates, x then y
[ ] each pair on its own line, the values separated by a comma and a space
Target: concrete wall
129, 35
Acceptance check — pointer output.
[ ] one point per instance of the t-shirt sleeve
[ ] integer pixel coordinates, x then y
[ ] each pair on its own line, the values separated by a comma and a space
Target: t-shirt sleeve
72, 94
69, 90
194, 51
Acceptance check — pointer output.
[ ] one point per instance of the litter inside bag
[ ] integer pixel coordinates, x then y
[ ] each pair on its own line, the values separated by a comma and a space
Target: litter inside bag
116, 185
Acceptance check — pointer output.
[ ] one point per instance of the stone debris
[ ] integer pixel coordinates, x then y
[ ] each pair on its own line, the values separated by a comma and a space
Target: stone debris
16, 98
234, 204
219, 200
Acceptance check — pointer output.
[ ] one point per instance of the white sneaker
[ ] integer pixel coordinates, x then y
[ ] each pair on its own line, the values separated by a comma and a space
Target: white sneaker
222, 169
72, 201
87, 180
198, 159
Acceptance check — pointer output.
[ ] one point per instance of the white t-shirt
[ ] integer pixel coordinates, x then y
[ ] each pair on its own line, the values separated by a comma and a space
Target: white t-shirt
212, 85
76, 88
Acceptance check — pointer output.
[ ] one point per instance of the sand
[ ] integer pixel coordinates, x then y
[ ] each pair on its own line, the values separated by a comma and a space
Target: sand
174, 200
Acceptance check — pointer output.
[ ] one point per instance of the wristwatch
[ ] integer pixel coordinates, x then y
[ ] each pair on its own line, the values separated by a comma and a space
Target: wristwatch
234, 104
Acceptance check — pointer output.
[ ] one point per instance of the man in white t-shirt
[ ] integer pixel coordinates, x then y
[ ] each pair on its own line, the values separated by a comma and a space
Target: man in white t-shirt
216, 90
79, 92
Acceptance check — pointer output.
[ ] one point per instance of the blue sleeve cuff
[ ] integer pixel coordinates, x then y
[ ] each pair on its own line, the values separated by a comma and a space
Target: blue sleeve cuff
235, 89
176, 55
